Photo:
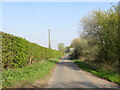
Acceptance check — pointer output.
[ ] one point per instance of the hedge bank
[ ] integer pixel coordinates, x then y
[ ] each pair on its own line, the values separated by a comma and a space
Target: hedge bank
18, 52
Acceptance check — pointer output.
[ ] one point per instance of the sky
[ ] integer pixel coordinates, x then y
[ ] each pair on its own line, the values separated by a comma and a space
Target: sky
31, 20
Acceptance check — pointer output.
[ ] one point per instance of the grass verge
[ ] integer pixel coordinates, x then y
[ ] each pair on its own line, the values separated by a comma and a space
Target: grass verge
28, 74
106, 74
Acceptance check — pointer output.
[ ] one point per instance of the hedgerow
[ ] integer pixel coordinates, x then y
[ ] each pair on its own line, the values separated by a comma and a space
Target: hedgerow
18, 52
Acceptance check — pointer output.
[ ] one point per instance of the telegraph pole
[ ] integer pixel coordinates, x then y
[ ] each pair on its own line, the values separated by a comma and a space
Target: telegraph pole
49, 45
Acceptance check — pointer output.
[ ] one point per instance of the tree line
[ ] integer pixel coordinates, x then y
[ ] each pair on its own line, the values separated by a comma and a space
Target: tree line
99, 38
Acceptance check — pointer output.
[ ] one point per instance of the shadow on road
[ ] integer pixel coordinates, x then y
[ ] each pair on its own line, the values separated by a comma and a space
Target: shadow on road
66, 62
65, 58
74, 84
69, 64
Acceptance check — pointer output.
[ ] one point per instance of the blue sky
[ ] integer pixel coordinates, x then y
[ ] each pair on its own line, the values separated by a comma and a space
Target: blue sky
31, 20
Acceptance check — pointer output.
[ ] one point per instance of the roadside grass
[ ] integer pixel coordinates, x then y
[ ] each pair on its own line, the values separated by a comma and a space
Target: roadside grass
28, 74
106, 74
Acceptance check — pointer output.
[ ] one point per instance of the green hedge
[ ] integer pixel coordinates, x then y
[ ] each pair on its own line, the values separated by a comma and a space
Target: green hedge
18, 52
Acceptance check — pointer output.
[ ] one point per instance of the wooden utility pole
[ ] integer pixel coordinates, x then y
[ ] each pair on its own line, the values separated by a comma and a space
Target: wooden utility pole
49, 45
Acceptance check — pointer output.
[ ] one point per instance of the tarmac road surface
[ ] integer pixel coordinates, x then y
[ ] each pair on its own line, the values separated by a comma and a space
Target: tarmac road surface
68, 75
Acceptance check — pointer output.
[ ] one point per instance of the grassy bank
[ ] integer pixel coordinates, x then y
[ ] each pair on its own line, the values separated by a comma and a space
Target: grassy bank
28, 74
107, 74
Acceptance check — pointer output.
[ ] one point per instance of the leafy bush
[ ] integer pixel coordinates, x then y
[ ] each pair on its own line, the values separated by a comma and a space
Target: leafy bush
18, 52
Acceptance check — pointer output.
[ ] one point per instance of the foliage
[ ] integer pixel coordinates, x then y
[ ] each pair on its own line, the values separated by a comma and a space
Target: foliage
28, 74
102, 27
81, 48
100, 31
61, 47
18, 52
67, 49
76, 44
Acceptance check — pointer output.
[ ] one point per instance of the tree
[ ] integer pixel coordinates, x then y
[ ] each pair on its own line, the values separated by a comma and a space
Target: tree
100, 28
67, 49
61, 47
80, 47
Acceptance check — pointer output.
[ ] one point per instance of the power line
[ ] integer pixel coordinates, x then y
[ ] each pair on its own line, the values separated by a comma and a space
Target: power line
32, 11
38, 19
